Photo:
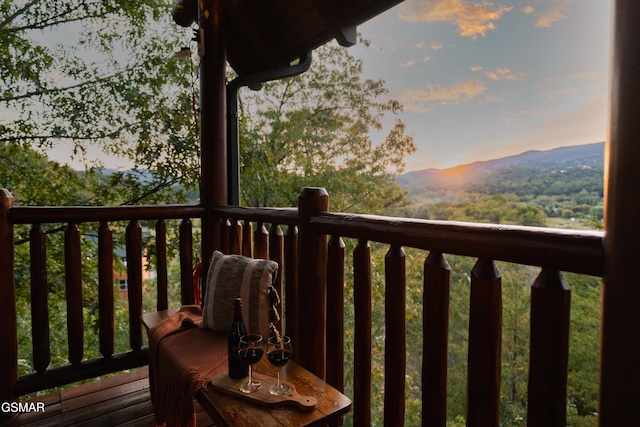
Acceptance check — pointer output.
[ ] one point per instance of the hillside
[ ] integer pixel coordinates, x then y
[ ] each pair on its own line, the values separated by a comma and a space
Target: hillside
564, 170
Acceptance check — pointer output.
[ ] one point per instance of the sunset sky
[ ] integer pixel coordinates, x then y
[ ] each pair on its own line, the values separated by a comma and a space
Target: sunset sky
487, 79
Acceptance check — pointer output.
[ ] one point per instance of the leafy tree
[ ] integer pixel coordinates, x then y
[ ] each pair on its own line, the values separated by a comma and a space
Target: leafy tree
98, 73
313, 130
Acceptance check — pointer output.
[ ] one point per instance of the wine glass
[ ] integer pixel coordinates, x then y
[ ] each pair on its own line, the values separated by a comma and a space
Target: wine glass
278, 353
250, 350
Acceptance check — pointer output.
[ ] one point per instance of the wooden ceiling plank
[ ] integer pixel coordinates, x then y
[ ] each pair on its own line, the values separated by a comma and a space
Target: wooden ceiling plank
267, 50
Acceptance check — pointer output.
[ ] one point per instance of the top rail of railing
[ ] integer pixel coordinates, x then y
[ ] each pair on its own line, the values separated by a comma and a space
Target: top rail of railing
52, 214
578, 251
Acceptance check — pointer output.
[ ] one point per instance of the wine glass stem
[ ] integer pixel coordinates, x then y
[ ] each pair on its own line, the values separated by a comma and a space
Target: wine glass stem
250, 376
279, 378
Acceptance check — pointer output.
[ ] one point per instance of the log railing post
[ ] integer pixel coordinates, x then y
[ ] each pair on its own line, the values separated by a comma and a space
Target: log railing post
186, 264
105, 289
247, 240
235, 246
73, 283
162, 299
39, 299
291, 310
485, 342
362, 334
8, 326
261, 241
395, 340
312, 290
134, 282
335, 312
435, 303
276, 253
548, 350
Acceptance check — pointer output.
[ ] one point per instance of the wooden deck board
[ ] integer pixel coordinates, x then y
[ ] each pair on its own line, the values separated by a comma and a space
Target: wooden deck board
122, 400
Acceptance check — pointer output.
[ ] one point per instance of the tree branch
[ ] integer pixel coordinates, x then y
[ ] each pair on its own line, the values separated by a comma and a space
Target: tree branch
17, 13
65, 88
111, 134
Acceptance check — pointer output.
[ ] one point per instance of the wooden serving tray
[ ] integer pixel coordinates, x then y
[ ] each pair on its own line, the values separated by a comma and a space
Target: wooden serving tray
230, 386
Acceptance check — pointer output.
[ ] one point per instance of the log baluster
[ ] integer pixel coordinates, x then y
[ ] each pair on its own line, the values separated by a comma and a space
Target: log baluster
39, 298
291, 312
73, 284
247, 230
162, 302
335, 312
485, 340
8, 322
186, 263
134, 282
362, 334
435, 317
261, 242
105, 289
235, 244
395, 354
225, 236
312, 293
276, 253
548, 350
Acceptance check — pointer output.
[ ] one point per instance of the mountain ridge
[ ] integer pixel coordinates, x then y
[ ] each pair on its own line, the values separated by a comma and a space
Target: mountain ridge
474, 176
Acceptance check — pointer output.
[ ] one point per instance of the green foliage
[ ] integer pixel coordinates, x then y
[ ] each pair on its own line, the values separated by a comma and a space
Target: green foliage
495, 209
99, 74
313, 130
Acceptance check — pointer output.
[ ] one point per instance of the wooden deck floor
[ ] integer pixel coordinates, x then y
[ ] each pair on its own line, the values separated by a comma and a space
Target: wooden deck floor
122, 400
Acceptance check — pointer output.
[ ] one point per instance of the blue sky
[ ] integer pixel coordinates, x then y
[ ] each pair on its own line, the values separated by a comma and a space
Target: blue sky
482, 80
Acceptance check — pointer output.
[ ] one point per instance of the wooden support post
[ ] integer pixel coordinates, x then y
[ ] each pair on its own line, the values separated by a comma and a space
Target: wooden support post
213, 127
620, 346
312, 289
8, 327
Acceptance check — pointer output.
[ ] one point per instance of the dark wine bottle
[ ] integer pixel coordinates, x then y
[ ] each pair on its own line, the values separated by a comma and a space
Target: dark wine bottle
237, 368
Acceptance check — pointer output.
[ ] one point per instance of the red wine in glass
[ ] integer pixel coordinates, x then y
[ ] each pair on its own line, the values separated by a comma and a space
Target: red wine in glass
250, 350
278, 353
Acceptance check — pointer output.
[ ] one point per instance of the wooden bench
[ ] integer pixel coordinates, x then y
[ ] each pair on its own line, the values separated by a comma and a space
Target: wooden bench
229, 411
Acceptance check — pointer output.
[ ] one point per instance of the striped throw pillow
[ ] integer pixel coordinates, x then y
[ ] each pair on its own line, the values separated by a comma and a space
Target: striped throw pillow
233, 276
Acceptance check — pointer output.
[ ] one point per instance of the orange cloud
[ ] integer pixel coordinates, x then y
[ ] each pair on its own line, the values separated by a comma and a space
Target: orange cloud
554, 14
504, 74
528, 10
471, 19
418, 100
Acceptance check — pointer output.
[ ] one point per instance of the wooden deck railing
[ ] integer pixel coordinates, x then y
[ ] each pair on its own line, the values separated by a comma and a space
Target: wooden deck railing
79, 368
312, 254
321, 265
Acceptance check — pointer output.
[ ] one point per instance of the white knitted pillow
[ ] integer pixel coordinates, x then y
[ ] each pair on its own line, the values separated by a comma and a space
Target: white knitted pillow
233, 276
